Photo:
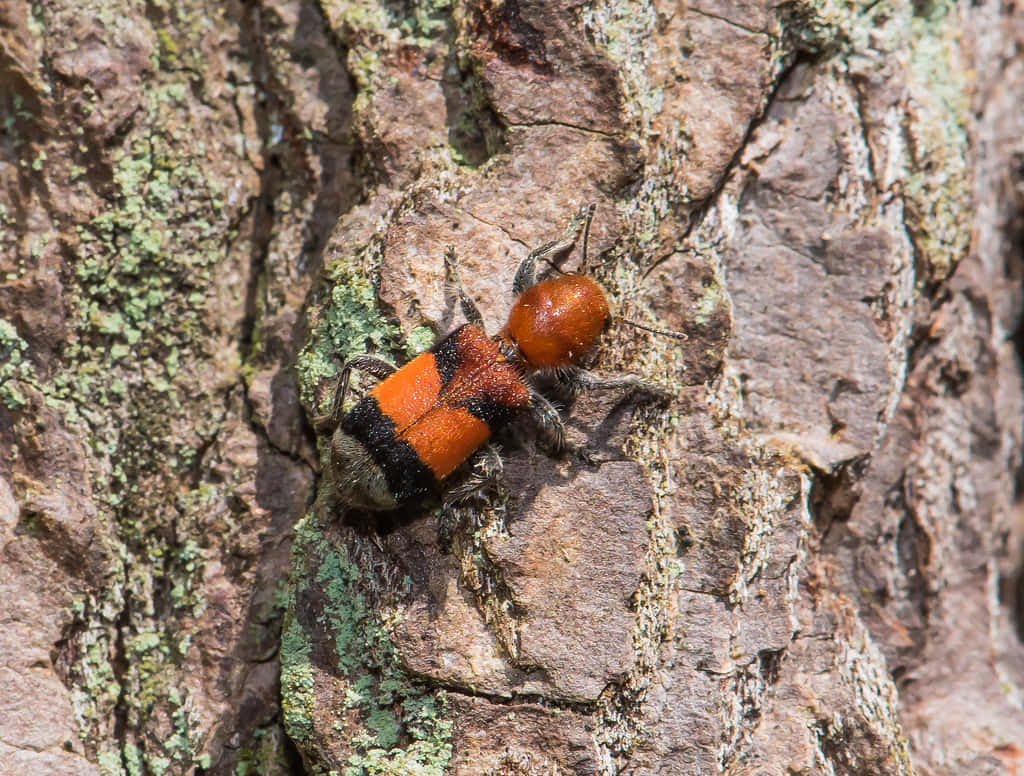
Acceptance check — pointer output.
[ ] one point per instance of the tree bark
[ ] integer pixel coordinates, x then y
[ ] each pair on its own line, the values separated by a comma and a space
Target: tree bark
810, 562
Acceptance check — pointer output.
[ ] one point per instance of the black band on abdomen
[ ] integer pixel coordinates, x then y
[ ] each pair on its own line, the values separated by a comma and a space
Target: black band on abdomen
406, 475
492, 412
447, 357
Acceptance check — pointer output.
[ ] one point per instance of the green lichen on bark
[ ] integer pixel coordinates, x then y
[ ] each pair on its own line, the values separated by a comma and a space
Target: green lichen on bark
932, 137
938, 186
138, 295
394, 726
349, 323
14, 367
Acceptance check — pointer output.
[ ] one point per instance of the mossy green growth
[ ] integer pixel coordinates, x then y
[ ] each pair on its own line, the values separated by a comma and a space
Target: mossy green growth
109, 762
266, 756
14, 367
373, 28
9, 125
349, 323
405, 730
133, 760
149, 689
422, 21
298, 684
408, 22
135, 387
937, 186
475, 135
419, 340
138, 310
813, 26
713, 298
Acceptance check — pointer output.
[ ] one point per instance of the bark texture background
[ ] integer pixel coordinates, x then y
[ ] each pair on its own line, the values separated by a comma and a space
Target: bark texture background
810, 563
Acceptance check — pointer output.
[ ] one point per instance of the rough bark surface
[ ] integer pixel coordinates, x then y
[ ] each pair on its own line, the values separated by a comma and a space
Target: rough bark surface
809, 563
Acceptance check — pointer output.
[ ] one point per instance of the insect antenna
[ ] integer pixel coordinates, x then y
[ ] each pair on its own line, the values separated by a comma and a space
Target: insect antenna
679, 335
554, 253
584, 267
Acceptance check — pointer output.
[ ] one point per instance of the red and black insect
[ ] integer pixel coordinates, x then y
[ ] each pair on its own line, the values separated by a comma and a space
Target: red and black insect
400, 441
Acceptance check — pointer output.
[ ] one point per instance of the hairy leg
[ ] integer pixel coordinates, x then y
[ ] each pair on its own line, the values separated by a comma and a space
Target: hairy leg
634, 388
486, 478
552, 428
378, 367
526, 275
469, 308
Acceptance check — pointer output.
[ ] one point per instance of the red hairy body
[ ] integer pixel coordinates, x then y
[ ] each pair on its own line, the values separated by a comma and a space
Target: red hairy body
401, 440
556, 321
435, 415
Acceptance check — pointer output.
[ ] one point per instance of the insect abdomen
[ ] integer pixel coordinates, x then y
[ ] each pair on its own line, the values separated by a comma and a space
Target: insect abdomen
406, 476
420, 423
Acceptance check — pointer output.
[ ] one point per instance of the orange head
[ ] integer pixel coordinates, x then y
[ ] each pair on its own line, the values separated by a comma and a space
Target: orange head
556, 321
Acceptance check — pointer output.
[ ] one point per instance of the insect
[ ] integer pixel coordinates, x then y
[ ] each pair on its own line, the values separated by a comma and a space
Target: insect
408, 434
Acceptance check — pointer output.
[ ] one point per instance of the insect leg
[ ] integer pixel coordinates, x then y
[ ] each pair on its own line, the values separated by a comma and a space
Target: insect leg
378, 367
486, 479
526, 275
491, 465
550, 422
465, 503
553, 428
469, 308
634, 388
